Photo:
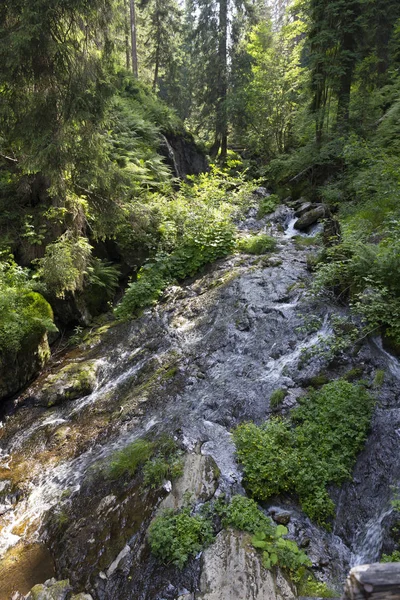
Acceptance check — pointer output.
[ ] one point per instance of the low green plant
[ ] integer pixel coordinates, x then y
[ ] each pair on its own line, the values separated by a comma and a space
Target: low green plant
176, 536
268, 205
278, 551
391, 558
316, 447
243, 514
277, 397
159, 460
215, 242
256, 244
379, 378
315, 589
301, 241
128, 460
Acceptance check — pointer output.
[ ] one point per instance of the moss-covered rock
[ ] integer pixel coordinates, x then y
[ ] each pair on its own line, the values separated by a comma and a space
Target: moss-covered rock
17, 370
25, 319
51, 590
73, 381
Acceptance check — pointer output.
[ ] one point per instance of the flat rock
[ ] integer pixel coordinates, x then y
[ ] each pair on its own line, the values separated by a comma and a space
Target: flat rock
232, 570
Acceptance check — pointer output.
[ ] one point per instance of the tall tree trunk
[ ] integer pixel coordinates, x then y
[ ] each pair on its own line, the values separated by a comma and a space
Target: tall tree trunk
126, 28
133, 39
157, 56
221, 130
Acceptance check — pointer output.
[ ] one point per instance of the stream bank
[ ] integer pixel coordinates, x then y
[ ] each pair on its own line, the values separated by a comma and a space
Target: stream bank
205, 359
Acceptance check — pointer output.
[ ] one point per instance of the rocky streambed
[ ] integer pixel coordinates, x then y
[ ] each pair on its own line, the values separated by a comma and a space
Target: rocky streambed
206, 358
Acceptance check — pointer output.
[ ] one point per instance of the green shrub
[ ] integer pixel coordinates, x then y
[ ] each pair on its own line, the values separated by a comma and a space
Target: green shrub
215, 242
367, 274
277, 551
268, 205
176, 536
64, 265
277, 397
316, 447
391, 558
256, 244
243, 513
379, 378
315, 589
301, 241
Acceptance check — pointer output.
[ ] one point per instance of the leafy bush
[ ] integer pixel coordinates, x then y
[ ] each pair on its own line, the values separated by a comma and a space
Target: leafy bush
195, 227
282, 552
316, 589
316, 447
391, 558
256, 244
176, 536
369, 275
268, 205
243, 513
64, 264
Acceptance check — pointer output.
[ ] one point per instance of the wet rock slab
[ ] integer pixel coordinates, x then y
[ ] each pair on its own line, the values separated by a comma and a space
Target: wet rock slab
232, 570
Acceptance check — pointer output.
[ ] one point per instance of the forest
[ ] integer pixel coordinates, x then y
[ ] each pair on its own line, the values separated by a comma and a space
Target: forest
135, 136
303, 97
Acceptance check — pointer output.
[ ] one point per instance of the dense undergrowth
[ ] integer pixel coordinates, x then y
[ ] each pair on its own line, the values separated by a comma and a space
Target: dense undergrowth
302, 455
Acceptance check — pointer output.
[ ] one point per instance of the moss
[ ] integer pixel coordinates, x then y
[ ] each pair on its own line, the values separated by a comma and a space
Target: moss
73, 381
319, 380
301, 241
379, 379
256, 244
353, 374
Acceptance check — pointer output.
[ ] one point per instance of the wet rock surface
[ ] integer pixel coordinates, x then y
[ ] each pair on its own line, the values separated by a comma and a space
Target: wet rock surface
207, 358
232, 569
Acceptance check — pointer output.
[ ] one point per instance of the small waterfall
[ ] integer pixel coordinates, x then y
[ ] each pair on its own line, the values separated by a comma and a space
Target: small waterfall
171, 155
368, 545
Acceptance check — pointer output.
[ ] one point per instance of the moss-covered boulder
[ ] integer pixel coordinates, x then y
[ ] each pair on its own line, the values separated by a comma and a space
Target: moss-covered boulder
50, 590
73, 381
25, 319
310, 217
54, 590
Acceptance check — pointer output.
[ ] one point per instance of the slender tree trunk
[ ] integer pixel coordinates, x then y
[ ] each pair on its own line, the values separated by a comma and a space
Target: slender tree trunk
133, 39
157, 56
345, 82
221, 133
126, 27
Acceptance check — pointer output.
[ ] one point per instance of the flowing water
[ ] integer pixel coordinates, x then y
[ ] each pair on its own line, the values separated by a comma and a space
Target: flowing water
202, 361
